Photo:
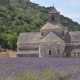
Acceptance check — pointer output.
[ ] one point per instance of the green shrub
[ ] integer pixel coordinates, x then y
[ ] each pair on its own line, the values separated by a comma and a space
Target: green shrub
25, 76
48, 74
45, 74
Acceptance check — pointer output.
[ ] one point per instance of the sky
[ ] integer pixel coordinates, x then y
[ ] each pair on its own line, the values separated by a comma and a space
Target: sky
69, 8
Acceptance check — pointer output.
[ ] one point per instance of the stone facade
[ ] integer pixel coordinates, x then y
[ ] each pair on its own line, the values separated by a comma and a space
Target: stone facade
53, 40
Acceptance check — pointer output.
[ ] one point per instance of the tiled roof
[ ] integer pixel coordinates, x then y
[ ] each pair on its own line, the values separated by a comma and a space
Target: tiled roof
49, 26
29, 37
75, 36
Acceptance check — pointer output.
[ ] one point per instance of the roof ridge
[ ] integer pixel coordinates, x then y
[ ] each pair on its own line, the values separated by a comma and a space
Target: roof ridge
51, 26
51, 37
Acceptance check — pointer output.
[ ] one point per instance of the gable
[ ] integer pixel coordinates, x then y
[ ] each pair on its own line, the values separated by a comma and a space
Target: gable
51, 38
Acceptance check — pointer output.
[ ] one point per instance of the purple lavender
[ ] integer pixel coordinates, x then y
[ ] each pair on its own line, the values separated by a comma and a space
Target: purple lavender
9, 67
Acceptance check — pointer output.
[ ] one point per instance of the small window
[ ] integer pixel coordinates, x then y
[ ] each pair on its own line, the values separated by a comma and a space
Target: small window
78, 54
53, 18
50, 52
42, 34
74, 54
58, 51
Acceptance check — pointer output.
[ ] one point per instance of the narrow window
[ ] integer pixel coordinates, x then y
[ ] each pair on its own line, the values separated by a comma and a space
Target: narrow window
78, 54
58, 51
42, 34
74, 54
53, 18
50, 52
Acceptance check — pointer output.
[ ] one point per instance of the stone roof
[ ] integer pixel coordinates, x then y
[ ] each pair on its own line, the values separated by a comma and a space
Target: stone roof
75, 50
34, 38
52, 38
75, 36
29, 37
51, 27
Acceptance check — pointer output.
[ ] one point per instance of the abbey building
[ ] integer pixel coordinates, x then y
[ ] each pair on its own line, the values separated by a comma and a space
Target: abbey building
53, 40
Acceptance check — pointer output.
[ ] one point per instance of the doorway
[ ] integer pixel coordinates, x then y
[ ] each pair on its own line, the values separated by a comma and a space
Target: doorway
50, 52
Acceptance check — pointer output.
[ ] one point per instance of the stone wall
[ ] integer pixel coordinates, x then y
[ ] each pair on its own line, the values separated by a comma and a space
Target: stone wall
51, 51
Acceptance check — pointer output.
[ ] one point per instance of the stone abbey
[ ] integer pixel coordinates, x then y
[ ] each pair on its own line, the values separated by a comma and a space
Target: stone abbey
53, 40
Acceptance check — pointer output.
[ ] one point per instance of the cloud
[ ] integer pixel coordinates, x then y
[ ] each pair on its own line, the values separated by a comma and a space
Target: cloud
43, 2
73, 16
74, 1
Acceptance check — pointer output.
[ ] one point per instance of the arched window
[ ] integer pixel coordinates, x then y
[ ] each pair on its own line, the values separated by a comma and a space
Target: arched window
78, 54
50, 52
58, 51
42, 34
74, 54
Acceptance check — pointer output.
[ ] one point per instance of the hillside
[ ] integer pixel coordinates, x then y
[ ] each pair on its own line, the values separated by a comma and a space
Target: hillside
13, 2
15, 19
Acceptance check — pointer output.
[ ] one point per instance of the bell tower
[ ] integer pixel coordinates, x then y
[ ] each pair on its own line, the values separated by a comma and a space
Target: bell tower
53, 15
53, 23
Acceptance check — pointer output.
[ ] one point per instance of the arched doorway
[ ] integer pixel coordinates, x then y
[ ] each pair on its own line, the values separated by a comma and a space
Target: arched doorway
50, 53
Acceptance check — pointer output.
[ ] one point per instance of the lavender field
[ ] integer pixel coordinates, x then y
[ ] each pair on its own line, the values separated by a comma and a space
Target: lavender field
66, 67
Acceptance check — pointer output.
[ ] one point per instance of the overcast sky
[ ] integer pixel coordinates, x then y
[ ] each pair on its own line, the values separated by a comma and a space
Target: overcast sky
69, 8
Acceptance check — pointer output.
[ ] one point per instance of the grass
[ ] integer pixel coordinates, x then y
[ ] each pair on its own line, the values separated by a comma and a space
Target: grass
8, 53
